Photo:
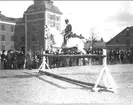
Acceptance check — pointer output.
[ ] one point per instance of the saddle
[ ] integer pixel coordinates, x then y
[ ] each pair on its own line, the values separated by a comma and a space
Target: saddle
73, 35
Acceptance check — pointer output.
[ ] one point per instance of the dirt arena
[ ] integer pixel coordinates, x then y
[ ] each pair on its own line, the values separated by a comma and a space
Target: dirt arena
28, 87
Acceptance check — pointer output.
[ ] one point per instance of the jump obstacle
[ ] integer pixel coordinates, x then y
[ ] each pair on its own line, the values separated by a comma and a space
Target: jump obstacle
104, 72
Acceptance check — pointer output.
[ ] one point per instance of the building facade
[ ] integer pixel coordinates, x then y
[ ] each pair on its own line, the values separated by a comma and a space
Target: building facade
123, 40
19, 34
7, 26
41, 13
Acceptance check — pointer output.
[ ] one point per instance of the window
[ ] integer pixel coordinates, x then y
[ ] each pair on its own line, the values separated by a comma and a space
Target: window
54, 17
12, 38
57, 18
48, 16
12, 28
3, 27
53, 24
3, 38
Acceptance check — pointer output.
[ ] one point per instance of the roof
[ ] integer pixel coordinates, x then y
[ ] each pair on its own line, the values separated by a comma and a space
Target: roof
122, 39
42, 6
7, 19
20, 21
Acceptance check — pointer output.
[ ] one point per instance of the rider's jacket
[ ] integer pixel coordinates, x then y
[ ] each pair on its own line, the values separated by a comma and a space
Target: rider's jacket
68, 28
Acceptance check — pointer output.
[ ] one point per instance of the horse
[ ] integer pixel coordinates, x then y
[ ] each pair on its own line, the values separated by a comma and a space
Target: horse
55, 42
55, 39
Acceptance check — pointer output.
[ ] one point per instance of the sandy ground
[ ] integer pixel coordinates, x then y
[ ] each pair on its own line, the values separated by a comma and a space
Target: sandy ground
22, 87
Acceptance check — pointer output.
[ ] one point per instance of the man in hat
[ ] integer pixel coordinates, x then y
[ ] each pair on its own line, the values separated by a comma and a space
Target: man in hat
68, 31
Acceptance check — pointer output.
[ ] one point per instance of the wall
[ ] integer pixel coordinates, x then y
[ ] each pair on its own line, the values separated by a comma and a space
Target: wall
8, 43
53, 19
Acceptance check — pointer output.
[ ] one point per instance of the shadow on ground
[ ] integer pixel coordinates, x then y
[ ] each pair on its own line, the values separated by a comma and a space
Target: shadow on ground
83, 85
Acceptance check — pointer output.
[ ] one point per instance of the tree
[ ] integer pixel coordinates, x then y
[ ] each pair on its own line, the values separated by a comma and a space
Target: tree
101, 40
93, 37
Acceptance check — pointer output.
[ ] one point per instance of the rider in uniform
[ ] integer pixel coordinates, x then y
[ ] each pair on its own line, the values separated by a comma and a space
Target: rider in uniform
68, 31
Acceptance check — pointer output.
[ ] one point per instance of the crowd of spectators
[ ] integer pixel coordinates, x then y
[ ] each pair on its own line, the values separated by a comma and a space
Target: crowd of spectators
120, 56
18, 60
114, 56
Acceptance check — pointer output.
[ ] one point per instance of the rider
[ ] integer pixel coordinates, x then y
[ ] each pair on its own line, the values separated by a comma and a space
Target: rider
68, 31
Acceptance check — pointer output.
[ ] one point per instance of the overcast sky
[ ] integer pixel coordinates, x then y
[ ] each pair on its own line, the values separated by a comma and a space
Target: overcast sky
107, 18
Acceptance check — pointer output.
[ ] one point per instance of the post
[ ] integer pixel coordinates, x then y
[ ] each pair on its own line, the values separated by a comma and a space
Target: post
90, 61
42, 66
105, 58
25, 35
102, 71
107, 77
44, 61
0, 63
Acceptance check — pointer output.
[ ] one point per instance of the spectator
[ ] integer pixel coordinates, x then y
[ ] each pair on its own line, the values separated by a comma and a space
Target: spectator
3, 59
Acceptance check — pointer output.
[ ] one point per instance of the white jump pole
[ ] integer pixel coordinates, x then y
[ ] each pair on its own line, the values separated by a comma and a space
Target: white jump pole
44, 64
107, 77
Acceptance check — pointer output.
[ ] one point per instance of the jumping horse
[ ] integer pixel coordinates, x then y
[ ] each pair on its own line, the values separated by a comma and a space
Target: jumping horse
55, 39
